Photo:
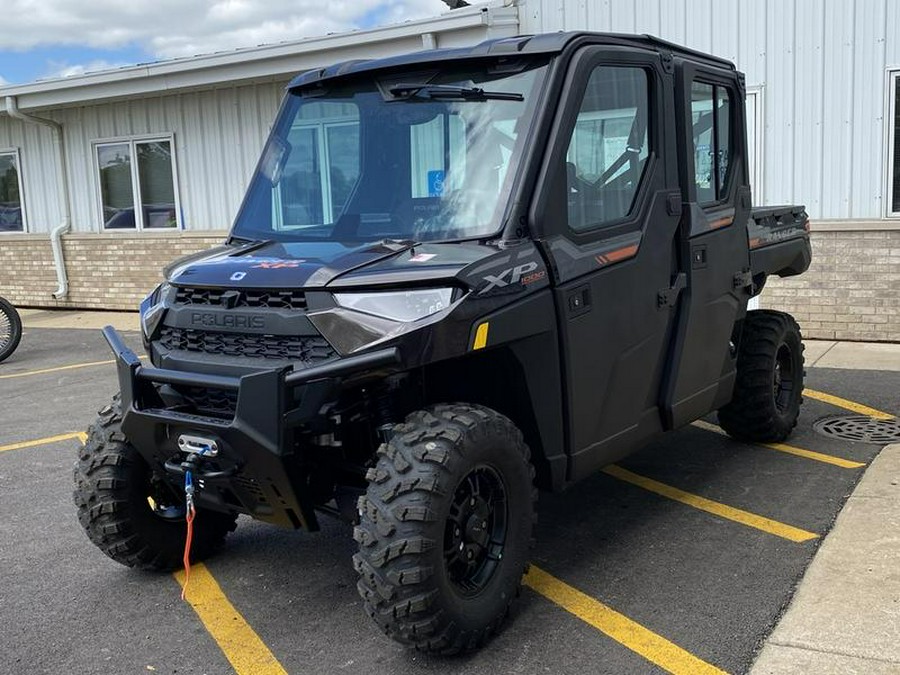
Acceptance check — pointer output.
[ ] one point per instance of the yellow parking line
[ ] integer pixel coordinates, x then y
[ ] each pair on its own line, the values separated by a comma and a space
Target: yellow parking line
58, 368
243, 648
790, 449
72, 366
847, 404
723, 511
80, 435
634, 636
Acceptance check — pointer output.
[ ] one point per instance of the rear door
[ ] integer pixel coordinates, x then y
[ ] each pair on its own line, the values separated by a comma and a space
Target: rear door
608, 211
714, 254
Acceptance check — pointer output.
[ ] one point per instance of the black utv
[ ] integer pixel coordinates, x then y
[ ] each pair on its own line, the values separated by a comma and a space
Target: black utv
457, 276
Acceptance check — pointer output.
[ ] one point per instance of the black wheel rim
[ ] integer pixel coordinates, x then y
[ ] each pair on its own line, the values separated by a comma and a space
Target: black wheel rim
475, 533
163, 501
783, 381
5, 329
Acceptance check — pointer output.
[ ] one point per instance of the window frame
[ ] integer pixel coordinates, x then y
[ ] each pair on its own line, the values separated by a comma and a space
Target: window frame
601, 229
15, 152
756, 178
132, 141
891, 163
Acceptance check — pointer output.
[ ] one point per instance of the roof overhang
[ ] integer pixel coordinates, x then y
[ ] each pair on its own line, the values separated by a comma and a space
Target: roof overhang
280, 61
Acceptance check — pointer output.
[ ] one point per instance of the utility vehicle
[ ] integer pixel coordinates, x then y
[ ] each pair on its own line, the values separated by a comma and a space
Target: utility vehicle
457, 276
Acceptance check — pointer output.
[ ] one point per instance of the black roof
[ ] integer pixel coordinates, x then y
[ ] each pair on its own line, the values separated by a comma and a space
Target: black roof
520, 45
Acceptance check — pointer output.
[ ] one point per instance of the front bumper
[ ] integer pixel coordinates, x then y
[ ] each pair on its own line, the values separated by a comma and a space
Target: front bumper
258, 469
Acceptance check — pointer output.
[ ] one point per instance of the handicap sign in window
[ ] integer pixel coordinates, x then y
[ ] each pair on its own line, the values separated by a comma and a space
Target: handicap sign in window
436, 183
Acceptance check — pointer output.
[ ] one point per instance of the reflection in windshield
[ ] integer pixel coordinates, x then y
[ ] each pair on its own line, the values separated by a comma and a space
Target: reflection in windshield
361, 163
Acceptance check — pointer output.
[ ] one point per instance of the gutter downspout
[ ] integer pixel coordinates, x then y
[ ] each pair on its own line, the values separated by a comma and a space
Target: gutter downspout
12, 109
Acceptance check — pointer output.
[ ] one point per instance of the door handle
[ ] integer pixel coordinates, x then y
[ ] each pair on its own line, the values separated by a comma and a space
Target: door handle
667, 297
578, 301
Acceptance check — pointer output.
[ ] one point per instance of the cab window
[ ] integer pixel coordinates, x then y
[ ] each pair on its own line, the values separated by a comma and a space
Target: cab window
608, 148
711, 130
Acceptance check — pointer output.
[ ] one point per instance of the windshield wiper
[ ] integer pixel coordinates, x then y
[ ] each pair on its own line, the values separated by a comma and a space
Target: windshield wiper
248, 244
444, 91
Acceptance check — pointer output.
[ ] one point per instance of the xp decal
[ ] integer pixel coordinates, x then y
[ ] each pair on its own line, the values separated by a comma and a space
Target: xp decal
513, 275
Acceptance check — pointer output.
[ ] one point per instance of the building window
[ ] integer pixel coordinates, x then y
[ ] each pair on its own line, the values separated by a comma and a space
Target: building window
608, 148
894, 146
321, 167
137, 184
711, 124
12, 211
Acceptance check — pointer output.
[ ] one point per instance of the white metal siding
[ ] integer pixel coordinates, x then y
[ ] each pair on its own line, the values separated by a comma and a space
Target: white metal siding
218, 137
39, 169
820, 63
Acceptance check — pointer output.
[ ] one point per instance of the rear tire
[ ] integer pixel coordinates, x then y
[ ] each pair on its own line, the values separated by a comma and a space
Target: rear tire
133, 517
445, 528
769, 387
10, 329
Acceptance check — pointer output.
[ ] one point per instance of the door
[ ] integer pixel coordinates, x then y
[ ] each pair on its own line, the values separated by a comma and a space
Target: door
607, 212
714, 255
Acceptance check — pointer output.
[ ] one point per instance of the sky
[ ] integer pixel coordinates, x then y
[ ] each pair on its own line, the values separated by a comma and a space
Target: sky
42, 39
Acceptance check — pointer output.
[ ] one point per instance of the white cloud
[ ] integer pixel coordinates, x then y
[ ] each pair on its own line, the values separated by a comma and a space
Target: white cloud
3, 81
171, 28
63, 69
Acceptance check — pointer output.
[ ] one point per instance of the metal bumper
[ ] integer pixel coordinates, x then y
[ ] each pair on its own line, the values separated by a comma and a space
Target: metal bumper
257, 467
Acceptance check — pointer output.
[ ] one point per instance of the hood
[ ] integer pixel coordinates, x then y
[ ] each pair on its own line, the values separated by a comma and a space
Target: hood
319, 264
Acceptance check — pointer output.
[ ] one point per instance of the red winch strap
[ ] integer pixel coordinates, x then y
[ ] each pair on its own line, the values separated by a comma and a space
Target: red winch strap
189, 513
189, 517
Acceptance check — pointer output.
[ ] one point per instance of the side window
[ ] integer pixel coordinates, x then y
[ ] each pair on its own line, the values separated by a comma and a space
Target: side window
711, 125
12, 216
137, 184
894, 146
608, 148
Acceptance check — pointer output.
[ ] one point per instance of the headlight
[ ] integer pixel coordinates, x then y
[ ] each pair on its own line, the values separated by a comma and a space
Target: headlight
152, 309
404, 306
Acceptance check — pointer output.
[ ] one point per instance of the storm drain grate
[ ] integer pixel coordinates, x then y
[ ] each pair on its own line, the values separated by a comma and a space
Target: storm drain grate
859, 428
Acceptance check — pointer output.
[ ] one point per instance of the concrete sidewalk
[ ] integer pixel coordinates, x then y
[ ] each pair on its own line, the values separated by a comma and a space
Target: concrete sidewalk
69, 318
845, 615
852, 355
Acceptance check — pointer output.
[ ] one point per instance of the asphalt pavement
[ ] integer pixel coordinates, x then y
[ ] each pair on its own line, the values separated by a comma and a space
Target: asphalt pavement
709, 568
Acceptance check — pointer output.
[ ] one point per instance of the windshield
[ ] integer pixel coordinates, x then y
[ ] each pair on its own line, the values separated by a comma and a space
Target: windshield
417, 156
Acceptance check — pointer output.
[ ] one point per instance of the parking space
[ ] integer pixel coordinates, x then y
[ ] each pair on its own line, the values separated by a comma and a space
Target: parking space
681, 558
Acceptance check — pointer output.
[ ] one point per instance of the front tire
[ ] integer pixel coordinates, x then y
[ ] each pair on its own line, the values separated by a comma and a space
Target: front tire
445, 528
769, 387
132, 516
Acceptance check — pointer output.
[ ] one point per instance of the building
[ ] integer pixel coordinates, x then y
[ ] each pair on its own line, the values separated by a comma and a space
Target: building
135, 166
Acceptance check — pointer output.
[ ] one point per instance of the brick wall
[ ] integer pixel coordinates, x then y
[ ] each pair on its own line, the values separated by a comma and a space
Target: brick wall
851, 291
108, 271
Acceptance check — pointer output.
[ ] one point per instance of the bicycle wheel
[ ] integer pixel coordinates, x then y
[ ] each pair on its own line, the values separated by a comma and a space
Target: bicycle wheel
10, 329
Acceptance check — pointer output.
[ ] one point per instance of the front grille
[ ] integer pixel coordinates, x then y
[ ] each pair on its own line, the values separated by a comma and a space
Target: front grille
211, 402
308, 348
245, 297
